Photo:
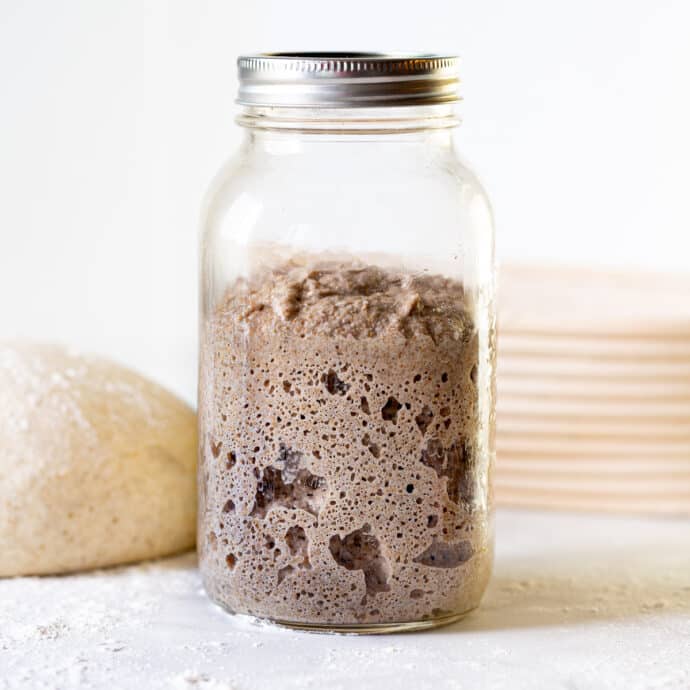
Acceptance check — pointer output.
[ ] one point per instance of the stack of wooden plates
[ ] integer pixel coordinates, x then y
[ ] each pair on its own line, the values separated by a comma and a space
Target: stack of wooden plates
593, 390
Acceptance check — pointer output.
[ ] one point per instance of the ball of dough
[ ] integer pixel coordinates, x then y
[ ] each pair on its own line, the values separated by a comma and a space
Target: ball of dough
97, 464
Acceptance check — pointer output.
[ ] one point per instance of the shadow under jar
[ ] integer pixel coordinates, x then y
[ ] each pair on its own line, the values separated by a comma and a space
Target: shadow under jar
346, 385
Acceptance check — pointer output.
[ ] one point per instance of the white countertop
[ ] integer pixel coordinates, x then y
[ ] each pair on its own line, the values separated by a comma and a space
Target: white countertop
576, 601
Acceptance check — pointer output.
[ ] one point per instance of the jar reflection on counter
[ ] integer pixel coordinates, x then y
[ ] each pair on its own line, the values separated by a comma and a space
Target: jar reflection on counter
346, 394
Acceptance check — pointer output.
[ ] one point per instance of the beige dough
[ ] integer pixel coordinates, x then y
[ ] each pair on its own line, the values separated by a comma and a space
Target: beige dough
97, 464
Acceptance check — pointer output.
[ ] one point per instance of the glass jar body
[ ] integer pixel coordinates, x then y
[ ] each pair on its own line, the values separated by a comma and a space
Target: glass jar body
346, 389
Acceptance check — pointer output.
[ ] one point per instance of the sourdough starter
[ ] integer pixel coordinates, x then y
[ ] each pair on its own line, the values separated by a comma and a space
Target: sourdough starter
344, 464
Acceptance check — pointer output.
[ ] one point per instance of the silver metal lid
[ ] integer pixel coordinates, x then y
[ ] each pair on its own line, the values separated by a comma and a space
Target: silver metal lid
346, 80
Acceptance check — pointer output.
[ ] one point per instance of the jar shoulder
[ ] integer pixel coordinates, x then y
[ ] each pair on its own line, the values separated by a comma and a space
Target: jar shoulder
374, 189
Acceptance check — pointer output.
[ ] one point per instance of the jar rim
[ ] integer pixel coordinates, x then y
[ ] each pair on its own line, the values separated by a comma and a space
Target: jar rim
347, 79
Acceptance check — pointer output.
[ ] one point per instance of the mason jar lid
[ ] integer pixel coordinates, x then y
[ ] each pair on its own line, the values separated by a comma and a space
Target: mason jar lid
346, 80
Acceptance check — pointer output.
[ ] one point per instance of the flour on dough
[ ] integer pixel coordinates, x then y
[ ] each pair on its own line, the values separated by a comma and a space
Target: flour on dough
97, 464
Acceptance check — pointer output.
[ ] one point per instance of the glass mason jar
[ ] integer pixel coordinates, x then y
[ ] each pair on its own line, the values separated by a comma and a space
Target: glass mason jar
346, 386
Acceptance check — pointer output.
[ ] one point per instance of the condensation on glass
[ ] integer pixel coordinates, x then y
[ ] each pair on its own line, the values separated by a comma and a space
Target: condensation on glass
347, 337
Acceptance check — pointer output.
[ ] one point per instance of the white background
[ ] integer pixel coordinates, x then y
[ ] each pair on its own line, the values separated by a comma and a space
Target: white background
115, 115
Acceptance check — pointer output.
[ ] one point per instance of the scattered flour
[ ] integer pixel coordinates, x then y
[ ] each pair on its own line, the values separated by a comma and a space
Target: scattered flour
192, 679
150, 627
